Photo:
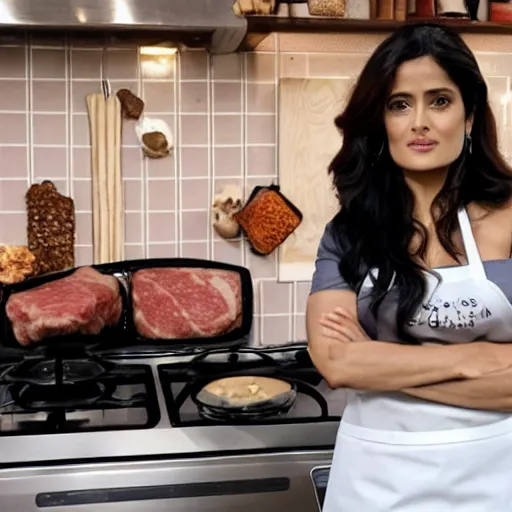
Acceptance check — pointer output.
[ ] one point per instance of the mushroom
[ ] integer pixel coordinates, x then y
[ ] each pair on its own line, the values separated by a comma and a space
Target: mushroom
225, 205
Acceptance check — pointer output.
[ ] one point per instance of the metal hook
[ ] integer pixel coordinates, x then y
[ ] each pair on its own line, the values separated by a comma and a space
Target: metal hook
105, 88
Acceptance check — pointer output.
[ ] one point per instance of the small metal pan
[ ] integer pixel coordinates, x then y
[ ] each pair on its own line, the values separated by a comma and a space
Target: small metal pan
245, 397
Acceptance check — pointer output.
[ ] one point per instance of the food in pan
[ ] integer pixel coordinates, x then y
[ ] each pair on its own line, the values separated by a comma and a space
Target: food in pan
247, 390
184, 303
84, 302
16, 263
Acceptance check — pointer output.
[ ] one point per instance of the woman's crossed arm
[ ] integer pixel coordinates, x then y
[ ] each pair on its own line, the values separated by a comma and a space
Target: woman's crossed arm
350, 359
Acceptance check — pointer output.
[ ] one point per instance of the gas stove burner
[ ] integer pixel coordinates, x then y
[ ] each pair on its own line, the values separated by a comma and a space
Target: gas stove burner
50, 372
232, 357
33, 397
45, 396
214, 362
188, 405
72, 396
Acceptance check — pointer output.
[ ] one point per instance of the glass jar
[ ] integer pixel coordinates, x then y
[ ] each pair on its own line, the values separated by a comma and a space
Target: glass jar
330, 8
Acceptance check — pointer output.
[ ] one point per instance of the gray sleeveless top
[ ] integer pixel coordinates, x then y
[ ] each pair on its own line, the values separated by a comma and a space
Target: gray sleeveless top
327, 277
397, 411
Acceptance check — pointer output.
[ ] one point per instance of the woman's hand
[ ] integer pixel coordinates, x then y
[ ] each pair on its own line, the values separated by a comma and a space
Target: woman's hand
342, 326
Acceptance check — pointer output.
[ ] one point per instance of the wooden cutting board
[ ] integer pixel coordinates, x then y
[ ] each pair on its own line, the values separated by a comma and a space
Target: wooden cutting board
308, 140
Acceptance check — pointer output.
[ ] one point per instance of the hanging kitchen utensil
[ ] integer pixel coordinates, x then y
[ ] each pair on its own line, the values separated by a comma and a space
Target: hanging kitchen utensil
154, 136
108, 210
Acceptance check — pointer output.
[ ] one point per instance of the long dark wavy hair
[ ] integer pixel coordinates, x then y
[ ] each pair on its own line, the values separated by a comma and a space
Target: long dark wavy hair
375, 224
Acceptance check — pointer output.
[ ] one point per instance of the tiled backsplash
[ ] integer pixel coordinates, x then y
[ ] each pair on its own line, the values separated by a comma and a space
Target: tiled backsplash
222, 111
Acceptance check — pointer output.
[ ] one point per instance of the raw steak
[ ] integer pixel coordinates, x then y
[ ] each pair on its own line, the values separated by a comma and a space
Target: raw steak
172, 303
84, 302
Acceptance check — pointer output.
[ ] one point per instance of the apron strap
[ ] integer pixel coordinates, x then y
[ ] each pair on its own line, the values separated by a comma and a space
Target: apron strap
475, 263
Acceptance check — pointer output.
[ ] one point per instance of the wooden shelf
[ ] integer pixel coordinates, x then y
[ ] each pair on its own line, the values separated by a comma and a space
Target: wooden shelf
259, 27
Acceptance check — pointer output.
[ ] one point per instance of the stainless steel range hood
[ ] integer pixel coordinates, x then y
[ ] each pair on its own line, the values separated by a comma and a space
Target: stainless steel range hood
214, 18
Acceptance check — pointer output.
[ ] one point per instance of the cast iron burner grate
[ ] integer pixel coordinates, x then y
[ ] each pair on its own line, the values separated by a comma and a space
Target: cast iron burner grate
44, 396
182, 381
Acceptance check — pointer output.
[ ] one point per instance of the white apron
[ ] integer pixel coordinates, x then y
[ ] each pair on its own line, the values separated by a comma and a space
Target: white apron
452, 470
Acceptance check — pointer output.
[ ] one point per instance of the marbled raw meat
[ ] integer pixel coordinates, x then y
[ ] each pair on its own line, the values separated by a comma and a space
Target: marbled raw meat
84, 302
182, 303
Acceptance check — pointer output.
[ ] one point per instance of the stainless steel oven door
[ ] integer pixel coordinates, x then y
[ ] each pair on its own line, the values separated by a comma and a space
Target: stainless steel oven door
270, 482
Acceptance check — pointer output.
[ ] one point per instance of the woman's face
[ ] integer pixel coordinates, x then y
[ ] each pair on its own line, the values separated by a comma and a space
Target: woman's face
424, 117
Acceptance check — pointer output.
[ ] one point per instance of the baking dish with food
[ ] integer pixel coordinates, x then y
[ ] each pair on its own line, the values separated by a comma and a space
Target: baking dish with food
245, 397
66, 343
124, 337
236, 336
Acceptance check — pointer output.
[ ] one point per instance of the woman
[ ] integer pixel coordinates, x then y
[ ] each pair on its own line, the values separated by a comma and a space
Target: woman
417, 264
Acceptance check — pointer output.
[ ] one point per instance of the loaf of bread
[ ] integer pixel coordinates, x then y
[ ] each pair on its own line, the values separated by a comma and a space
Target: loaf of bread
50, 228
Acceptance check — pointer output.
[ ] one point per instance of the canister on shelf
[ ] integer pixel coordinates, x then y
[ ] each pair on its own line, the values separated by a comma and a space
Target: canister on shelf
329, 8
452, 8
298, 8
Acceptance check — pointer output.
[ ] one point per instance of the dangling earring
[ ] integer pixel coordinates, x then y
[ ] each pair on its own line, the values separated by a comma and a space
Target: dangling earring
469, 144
